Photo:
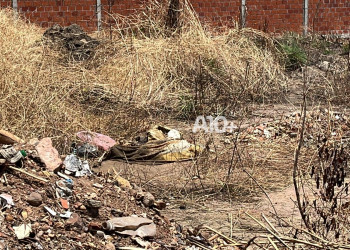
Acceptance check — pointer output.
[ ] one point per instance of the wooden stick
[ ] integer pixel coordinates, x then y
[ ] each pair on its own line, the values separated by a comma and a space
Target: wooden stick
25, 172
268, 222
222, 235
213, 237
261, 224
263, 190
231, 225
272, 243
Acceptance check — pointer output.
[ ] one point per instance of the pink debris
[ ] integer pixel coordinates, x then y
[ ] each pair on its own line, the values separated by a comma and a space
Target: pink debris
48, 154
99, 140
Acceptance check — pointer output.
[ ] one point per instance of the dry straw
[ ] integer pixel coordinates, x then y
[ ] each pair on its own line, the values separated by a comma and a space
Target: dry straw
143, 69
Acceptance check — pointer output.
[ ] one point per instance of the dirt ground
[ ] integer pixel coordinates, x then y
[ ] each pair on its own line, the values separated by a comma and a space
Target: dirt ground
272, 163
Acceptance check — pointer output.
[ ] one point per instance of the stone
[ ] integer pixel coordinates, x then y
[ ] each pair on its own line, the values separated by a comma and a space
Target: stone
35, 199
99, 140
23, 231
159, 204
148, 199
94, 203
109, 246
9, 218
93, 206
48, 154
123, 183
75, 221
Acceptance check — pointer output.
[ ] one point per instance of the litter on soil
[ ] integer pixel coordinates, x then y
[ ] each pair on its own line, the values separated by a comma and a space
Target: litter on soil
45, 205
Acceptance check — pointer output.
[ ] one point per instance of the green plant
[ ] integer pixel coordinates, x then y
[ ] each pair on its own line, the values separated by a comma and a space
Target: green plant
346, 48
186, 108
295, 56
322, 45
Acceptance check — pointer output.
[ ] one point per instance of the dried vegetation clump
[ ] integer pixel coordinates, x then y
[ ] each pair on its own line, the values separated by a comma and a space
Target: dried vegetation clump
141, 68
187, 64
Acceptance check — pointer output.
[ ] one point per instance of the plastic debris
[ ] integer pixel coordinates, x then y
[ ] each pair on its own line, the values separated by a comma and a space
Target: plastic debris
50, 211
99, 140
87, 151
64, 188
66, 177
159, 147
6, 200
132, 226
10, 153
66, 215
97, 185
23, 231
74, 165
174, 134
65, 203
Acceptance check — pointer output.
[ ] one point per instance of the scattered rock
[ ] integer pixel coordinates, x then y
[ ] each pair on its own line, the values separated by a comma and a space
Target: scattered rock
75, 221
159, 204
99, 140
109, 246
148, 199
93, 207
23, 231
73, 39
9, 218
123, 183
35, 199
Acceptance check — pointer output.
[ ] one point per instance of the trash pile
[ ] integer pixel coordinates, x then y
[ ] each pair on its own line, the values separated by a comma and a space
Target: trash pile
73, 39
319, 124
53, 201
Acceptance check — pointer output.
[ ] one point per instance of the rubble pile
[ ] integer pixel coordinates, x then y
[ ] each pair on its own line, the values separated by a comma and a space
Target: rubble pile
319, 124
58, 202
73, 39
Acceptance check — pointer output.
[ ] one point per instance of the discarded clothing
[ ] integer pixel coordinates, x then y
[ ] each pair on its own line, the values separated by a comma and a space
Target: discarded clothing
157, 147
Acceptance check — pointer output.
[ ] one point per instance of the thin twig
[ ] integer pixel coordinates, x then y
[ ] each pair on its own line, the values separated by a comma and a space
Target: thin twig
272, 243
262, 225
297, 154
222, 235
268, 222
263, 190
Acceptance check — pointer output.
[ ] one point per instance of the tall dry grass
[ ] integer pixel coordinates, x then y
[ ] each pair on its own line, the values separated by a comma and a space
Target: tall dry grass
40, 96
216, 72
142, 71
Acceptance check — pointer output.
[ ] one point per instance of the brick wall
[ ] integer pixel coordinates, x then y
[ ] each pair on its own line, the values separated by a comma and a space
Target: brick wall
5, 3
275, 16
48, 12
330, 15
325, 16
219, 12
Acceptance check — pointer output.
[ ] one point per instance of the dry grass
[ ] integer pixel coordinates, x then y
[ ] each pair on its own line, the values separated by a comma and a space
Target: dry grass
193, 68
142, 71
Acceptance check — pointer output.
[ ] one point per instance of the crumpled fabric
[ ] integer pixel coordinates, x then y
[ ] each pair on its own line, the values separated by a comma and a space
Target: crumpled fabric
160, 145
